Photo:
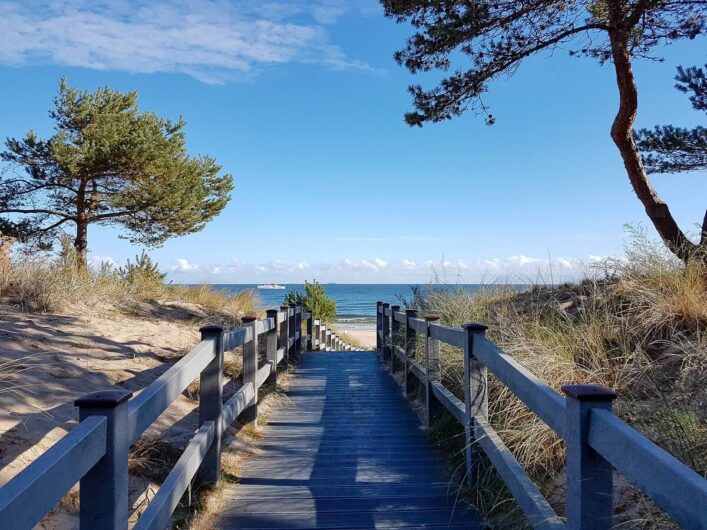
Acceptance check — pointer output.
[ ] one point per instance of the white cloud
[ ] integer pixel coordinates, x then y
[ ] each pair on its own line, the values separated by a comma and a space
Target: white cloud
183, 265
564, 263
380, 263
519, 268
210, 40
99, 262
524, 260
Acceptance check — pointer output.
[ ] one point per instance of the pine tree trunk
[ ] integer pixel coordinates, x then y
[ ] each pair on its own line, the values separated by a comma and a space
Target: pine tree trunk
81, 243
622, 134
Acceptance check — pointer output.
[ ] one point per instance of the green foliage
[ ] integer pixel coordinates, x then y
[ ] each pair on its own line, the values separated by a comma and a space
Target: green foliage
496, 36
108, 163
143, 271
670, 149
314, 299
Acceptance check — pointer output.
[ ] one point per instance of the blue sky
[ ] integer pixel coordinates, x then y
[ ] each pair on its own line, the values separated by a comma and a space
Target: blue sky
302, 102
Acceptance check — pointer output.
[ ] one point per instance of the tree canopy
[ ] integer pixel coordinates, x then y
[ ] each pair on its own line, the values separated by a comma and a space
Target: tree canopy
314, 299
108, 163
493, 37
670, 149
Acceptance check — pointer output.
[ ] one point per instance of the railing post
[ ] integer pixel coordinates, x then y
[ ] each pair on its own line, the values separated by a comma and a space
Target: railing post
271, 346
250, 371
292, 328
379, 327
475, 399
322, 338
315, 333
104, 489
394, 336
410, 349
433, 368
211, 403
589, 476
385, 323
298, 324
285, 333
328, 340
310, 329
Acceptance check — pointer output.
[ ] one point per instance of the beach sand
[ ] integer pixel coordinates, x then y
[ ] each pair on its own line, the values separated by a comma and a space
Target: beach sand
362, 333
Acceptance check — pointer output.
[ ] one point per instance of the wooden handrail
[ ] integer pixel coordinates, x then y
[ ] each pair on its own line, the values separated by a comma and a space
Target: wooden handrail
95, 452
597, 441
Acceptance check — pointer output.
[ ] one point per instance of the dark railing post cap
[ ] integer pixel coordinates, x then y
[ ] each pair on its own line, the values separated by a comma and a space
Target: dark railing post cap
249, 318
475, 327
385, 304
410, 311
395, 307
431, 318
271, 311
292, 305
588, 392
211, 330
104, 399
284, 307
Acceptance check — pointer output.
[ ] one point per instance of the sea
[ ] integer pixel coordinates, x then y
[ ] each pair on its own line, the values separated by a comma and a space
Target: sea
355, 303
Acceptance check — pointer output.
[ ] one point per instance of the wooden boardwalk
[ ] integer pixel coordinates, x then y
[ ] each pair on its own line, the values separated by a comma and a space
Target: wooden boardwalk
347, 452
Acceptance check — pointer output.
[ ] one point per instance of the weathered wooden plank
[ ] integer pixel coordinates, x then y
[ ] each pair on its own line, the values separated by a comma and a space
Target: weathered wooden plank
32, 493
265, 325
233, 339
399, 352
418, 371
673, 486
158, 513
237, 404
537, 395
400, 316
263, 373
453, 404
346, 452
280, 354
448, 335
535, 507
418, 324
147, 406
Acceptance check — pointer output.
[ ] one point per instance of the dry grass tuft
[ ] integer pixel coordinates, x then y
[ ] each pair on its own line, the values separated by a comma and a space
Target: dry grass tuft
637, 325
39, 284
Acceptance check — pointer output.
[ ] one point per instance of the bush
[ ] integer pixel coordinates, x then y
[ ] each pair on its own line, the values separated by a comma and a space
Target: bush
314, 299
143, 272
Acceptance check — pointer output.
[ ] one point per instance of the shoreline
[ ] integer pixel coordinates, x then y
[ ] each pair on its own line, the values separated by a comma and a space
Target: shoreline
361, 330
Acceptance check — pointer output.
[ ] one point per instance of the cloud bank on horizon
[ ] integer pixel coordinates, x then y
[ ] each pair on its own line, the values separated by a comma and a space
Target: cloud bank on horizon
513, 269
214, 41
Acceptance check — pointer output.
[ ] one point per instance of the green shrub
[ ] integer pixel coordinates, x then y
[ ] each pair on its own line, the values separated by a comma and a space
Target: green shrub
143, 272
314, 299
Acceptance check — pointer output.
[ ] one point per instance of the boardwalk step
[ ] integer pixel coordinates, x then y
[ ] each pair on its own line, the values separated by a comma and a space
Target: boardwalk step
346, 451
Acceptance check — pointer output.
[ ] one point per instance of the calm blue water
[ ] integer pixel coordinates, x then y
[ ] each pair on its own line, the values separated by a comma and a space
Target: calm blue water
353, 301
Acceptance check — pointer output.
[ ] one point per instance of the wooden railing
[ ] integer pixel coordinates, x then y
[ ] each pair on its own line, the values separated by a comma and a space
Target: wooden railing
95, 452
597, 441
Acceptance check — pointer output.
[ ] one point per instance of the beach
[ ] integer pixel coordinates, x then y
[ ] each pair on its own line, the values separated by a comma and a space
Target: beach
362, 333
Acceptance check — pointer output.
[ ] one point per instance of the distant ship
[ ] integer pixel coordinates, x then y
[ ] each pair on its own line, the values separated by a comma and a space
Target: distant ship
271, 286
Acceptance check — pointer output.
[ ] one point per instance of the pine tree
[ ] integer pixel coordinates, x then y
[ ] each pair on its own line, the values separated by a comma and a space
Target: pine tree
496, 36
108, 163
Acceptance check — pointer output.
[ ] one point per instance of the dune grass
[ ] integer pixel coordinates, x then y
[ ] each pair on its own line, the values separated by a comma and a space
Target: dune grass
53, 286
637, 325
